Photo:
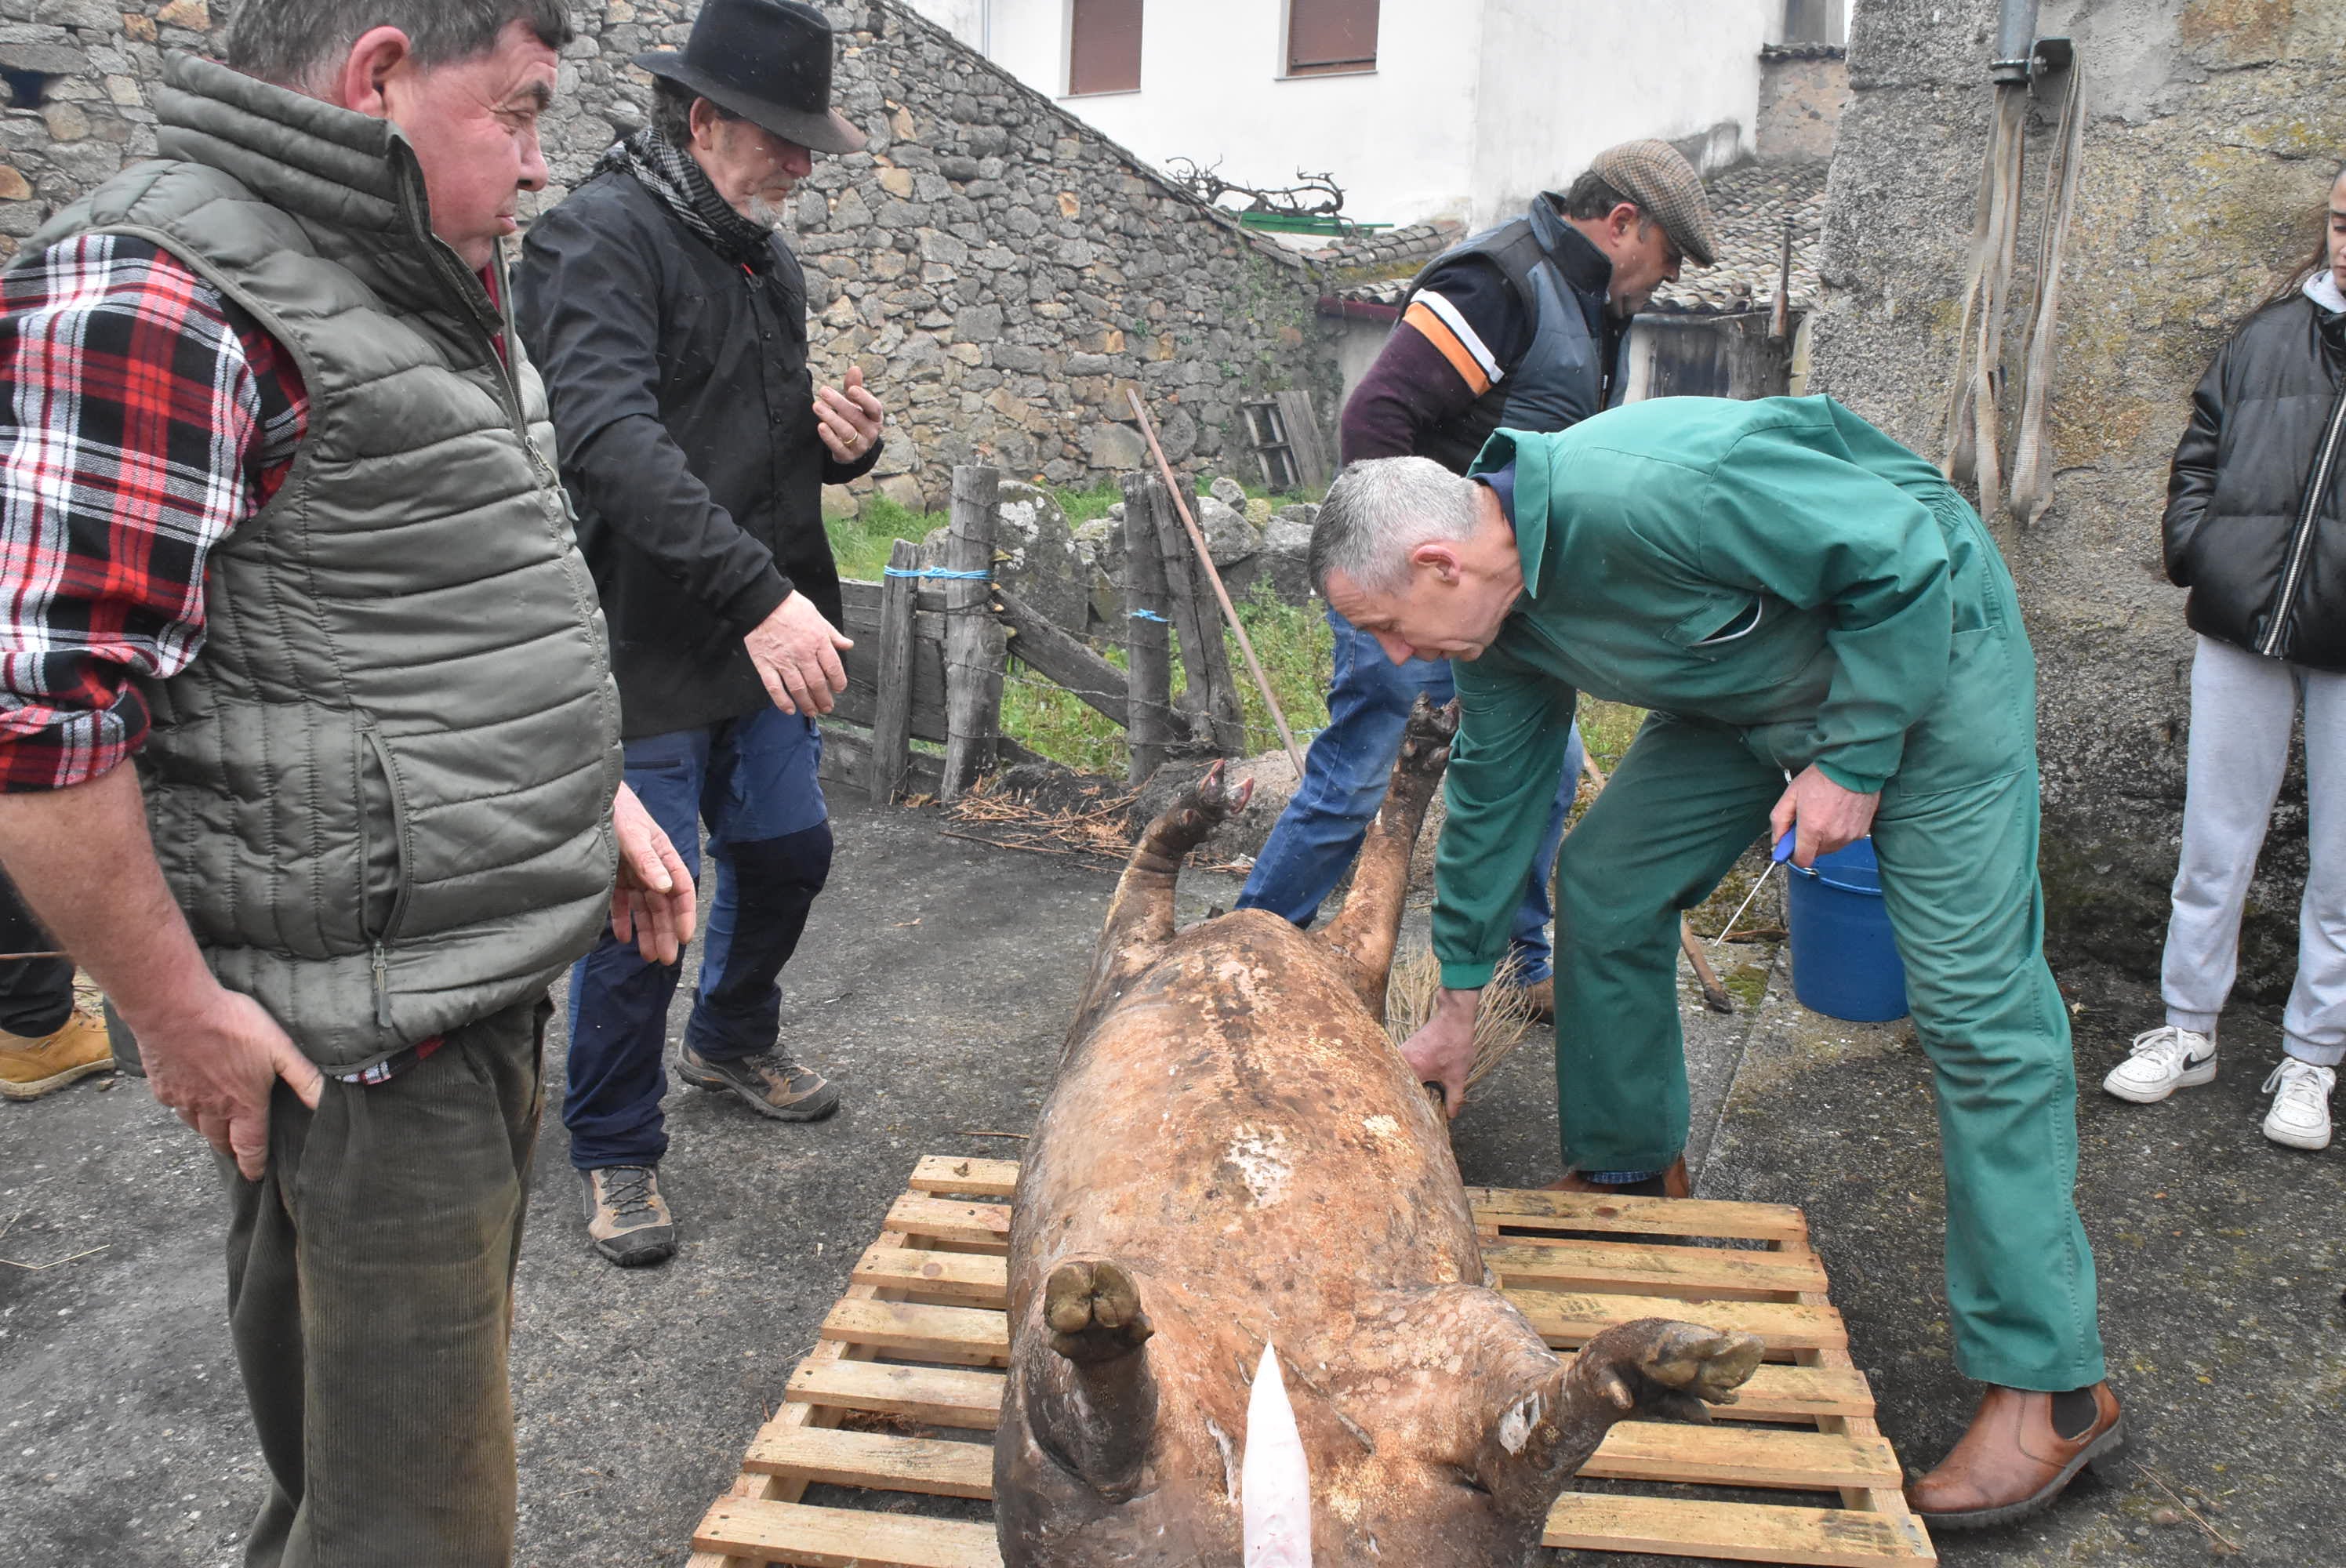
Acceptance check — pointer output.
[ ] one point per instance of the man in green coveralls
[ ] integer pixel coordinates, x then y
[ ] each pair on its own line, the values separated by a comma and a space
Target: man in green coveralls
1794, 596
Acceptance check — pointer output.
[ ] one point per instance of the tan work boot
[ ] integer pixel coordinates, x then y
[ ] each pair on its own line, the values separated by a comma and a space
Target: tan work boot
626, 1218
32, 1068
769, 1083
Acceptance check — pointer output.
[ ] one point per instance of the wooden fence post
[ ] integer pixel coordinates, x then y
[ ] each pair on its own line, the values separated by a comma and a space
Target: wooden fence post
974, 641
1149, 722
1211, 694
892, 716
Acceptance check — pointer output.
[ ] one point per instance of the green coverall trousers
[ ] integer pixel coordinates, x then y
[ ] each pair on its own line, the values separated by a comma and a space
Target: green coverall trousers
1959, 876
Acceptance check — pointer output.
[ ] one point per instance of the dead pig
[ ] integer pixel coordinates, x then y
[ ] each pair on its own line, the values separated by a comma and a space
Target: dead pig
1233, 1159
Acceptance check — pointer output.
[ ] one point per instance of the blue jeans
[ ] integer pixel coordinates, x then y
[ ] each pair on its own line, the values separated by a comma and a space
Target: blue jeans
1344, 779
753, 780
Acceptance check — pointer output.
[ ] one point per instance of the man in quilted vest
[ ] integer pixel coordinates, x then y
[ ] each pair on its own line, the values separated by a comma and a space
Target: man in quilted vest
282, 523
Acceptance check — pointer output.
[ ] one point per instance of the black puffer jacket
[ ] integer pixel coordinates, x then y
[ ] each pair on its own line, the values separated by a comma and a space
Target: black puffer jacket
685, 411
2256, 503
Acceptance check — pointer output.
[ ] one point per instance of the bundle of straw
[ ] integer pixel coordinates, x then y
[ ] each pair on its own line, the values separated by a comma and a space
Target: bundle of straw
1504, 1019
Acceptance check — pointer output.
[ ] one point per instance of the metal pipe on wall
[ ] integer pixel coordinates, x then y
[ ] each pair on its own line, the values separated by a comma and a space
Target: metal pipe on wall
2015, 41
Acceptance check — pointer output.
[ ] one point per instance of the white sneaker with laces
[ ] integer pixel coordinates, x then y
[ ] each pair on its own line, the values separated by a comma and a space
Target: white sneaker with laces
2163, 1060
2299, 1117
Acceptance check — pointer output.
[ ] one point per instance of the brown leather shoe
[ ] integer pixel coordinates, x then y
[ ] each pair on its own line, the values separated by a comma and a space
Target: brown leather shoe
1674, 1184
2012, 1463
1541, 996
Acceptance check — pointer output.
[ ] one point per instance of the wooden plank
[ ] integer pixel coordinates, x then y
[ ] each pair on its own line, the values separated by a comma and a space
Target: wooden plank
846, 762
936, 1466
1889, 1501
1736, 1532
966, 1279
892, 720
1779, 1392
859, 702
1150, 724
1211, 694
941, 1396
973, 657
969, 1334
1036, 642
844, 1538
972, 1176
1689, 1273
1575, 1317
1739, 1456
1305, 442
1601, 1212
861, 596
984, 1225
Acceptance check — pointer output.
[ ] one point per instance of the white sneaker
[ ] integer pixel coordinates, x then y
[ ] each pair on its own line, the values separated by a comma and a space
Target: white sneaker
2299, 1117
2165, 1059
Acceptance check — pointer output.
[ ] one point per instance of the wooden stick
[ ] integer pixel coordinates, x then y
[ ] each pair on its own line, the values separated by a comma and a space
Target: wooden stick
1147, 636
892, 716
974, 642
1229, 611
1212, 695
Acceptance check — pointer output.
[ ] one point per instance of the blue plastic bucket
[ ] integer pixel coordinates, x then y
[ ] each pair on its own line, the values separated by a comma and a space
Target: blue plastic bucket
1844, 962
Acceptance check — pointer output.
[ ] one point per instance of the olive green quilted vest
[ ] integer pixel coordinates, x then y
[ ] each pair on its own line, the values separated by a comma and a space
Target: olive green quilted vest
382, 791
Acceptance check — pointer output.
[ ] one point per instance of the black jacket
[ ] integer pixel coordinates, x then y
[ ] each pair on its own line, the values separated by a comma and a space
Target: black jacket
685, 409
2256, 503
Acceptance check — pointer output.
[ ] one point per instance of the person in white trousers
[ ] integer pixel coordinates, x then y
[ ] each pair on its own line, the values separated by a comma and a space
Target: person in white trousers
2256, 530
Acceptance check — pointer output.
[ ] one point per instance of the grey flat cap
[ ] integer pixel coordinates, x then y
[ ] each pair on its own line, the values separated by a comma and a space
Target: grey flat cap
1658, 178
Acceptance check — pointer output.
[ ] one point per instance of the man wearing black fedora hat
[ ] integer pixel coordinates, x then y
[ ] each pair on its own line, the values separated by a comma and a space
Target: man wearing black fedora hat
671, 323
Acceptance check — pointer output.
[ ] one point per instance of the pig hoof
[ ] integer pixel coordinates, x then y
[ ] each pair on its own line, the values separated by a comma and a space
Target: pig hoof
1093, 1310
1426, 737
1212, 798
1671, 1370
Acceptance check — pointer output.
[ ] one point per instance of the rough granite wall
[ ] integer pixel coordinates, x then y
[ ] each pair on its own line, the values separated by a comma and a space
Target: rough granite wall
2214, 129
1001, 271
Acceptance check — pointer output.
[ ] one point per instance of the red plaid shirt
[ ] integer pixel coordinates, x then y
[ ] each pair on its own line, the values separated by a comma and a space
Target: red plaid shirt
142, 417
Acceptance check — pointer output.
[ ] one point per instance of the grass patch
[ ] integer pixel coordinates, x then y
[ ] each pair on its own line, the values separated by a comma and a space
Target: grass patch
861, 544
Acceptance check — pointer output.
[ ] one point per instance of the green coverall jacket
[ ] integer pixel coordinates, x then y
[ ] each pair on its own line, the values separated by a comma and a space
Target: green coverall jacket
1782, 584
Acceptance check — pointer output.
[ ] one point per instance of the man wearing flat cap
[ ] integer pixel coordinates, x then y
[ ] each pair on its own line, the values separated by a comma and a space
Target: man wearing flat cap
671, 323
1520, 327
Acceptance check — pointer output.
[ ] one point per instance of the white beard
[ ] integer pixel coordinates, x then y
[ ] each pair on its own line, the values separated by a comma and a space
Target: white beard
771, 215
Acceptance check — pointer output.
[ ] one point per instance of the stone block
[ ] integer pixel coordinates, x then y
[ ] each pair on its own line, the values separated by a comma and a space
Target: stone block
840, 503
1118, 448
905, 491
1229, 492
50, 59
66, 122
193, 15
1229, 537
137, 27
897, 182
1037, 557
14, 185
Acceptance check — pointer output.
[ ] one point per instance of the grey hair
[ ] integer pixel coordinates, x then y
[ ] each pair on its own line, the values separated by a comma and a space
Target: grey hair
1381, 509
295, 43
672, 111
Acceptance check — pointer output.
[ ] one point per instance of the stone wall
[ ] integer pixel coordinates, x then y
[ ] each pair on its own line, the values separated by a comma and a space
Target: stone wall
2214, 129
1803, 88
1001, 271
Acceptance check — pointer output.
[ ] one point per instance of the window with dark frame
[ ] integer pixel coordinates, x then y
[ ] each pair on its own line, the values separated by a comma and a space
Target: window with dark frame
1103, 46
1325, 38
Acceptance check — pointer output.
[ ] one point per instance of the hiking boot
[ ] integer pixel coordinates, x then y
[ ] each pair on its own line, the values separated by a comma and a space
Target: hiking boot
1539, 999
626, 1218
2163, 1060
32, 1068
2299, 1117
768, 1082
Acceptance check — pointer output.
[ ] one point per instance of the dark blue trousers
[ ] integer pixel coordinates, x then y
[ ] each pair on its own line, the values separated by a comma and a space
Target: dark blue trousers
753, 781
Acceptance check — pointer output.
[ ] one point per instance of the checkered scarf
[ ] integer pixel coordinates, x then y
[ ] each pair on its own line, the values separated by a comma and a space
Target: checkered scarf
677, 178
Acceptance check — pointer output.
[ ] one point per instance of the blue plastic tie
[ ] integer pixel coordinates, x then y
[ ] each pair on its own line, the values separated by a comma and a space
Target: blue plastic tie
1148, 616
940, 574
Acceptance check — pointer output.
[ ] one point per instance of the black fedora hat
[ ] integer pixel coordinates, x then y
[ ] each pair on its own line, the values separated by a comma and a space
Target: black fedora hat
768, 61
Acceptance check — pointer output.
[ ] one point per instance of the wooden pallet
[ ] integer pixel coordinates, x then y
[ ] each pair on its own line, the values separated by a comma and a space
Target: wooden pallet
909, 1365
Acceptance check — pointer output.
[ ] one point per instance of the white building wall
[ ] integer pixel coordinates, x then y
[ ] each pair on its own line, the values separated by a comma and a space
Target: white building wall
1474, 105
1564, 79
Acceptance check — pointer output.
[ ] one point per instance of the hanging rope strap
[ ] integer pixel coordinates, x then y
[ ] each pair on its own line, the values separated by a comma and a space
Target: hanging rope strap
938, 574
2032, 457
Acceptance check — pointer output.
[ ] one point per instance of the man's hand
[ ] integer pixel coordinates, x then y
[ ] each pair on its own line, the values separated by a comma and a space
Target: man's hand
652, 906
1829, 817
848, 422
1444, 1048
796, 653
216, 1063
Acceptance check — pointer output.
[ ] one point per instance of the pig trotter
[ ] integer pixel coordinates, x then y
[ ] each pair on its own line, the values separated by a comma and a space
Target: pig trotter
1094, 1312
1671, 1370
1140, 918
1362, 936
1093, 1406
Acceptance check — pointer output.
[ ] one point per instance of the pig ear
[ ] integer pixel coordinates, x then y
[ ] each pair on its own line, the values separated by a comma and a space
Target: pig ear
1274, 1478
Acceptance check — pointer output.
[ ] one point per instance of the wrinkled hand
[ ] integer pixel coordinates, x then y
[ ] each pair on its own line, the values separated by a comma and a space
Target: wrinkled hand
848, 422
1829, 817
796, 654
216, 1065
1443, 1049
652, 905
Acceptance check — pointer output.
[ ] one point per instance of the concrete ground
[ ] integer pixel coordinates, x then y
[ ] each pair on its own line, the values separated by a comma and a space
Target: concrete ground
933, 986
